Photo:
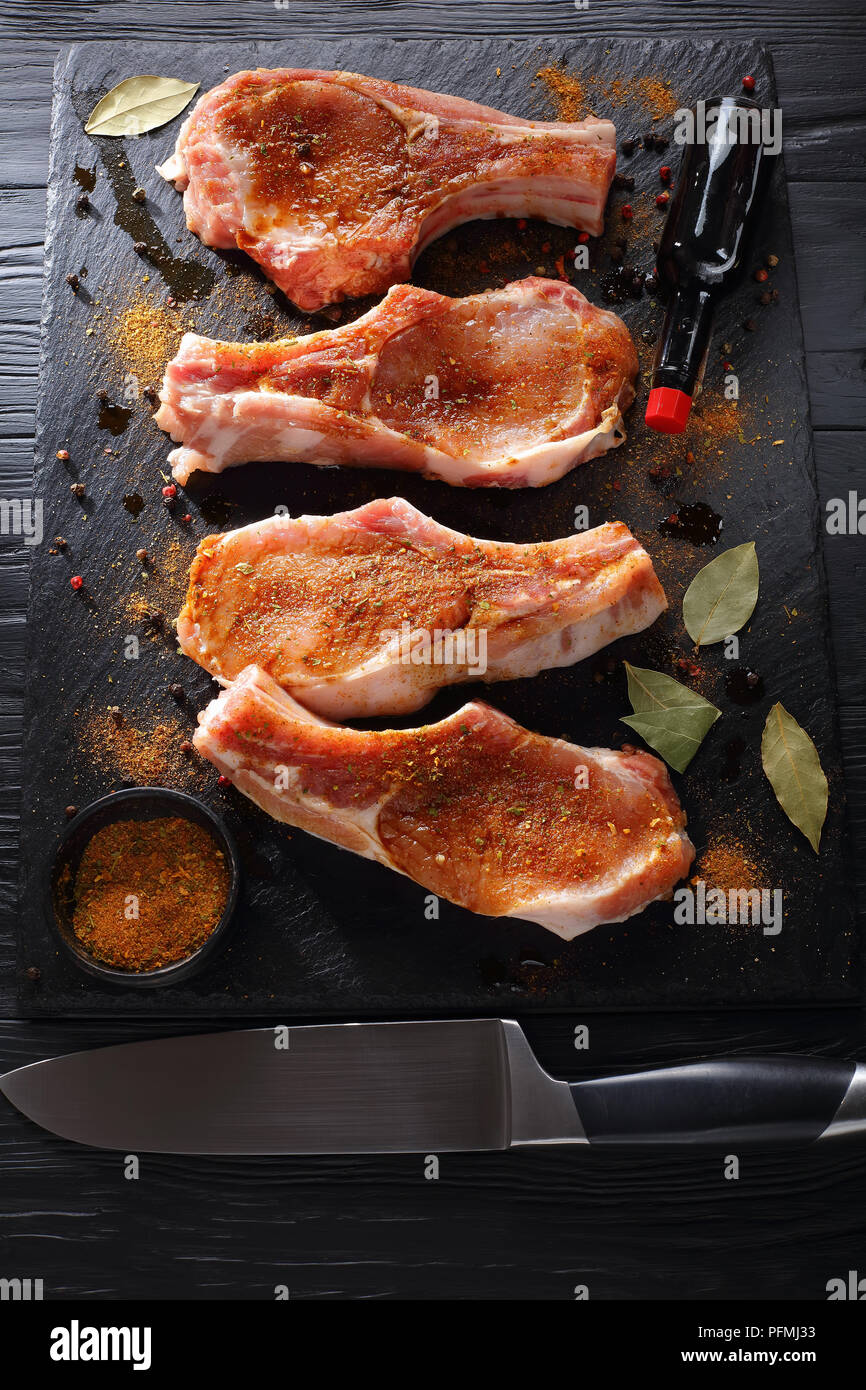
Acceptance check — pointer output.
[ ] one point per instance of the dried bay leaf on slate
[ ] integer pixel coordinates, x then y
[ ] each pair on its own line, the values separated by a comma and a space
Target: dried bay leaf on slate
794, 770
139, 104
722, 596
671, 718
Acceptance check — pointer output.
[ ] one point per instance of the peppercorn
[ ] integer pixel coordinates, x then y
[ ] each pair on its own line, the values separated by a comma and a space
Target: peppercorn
138, 195
626, 212
772, 261
139, 247
623, 181
63, 455
73, 282
176, 691
76, 581
71, 811
750, 325
82, 202
151, 395
662, 143
766, 298
116, 714
186, 518
34, 973
748, 83
169, 491
78, 490
155, 617
761, 276
665, 173
223, 781
651, 284
649, 140
60, 542
662, 200
141, 555
583, 238
628, 146
186, 747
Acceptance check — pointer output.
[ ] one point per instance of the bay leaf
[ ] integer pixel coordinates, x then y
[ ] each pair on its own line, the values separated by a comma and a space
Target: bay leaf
139, 104
722, 596
794, 770
671, 718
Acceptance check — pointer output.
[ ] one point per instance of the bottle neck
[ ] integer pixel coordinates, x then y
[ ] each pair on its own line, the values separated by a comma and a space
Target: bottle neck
685, 339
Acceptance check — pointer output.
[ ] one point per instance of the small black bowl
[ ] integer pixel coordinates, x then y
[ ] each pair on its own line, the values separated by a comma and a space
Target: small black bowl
137, 803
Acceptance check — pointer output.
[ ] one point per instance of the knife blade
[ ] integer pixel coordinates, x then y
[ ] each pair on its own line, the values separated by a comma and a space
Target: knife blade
457, 1085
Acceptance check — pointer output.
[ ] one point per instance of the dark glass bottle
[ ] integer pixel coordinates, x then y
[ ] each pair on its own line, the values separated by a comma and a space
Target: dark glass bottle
701, 253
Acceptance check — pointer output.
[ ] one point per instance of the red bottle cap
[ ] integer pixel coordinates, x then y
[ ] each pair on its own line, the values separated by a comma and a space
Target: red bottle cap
668, 410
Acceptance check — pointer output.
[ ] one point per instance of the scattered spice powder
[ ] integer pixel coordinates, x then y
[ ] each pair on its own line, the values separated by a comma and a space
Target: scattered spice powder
726, 863
148, 892
148, 756
567, 92
573, 93
144, 335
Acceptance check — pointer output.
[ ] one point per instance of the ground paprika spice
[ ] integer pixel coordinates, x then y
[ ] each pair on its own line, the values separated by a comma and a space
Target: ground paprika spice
148, 892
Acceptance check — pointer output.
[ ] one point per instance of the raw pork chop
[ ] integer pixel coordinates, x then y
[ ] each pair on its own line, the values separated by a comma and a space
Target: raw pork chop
335, 182
312, 601
510, 388
475, 808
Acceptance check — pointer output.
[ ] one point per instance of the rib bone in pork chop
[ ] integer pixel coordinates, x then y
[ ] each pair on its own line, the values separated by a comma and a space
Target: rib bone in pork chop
370, 612
511, 388
335, 182
474, 808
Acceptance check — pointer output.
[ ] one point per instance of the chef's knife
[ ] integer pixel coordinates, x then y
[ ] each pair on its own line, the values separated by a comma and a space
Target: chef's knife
416, 1087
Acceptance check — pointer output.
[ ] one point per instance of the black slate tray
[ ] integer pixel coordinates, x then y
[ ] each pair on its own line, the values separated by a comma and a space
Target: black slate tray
321, 931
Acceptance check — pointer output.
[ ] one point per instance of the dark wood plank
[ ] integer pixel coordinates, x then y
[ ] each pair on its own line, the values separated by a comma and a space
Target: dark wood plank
837, 389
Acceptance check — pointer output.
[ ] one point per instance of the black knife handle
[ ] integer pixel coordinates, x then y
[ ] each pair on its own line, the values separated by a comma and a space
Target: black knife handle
731, 1101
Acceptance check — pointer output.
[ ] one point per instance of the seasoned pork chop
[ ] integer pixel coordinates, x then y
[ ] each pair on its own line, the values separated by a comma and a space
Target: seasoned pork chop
335, 182
511, 388
370, 612
475, 808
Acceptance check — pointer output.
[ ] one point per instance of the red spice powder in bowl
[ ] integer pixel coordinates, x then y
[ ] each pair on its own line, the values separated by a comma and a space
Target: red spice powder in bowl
144, 886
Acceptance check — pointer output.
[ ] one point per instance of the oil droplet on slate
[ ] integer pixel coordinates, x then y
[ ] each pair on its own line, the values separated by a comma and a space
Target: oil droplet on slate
134, 503
744, 686
185, 279
85, 178
114, 418
695, 522
529, 959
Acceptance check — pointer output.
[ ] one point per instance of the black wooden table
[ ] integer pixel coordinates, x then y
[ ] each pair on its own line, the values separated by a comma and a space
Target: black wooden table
513, 1226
